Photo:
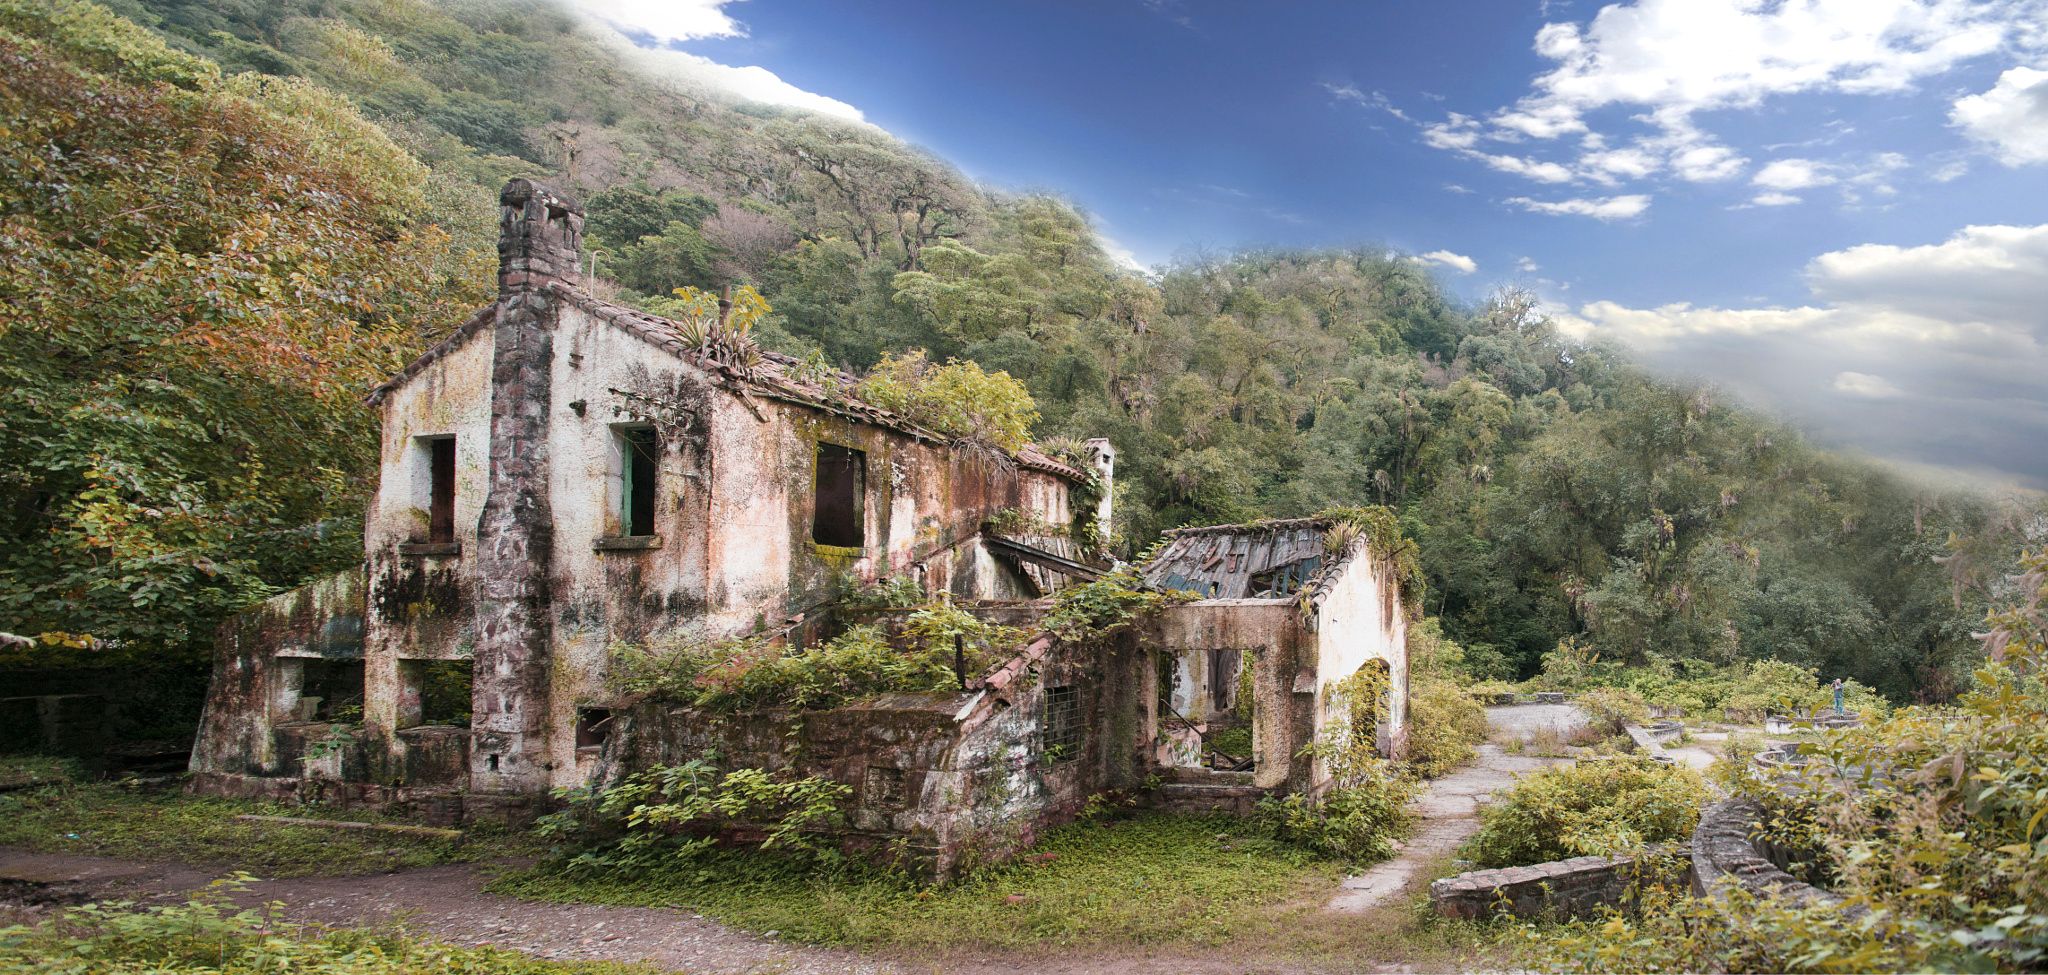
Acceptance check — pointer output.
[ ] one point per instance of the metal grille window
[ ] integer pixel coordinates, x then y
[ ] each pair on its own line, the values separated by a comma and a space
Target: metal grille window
1060, 732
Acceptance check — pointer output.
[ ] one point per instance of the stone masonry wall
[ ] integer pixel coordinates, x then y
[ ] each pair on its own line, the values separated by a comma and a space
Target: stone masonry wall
1572, 888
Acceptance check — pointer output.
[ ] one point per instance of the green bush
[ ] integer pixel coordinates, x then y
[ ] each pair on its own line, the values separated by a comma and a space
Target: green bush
673, 814
1444, 726
1594, 807
1357, 821
1612, 707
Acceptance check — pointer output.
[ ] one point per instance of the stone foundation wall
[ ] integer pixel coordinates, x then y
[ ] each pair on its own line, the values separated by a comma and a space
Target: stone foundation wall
1573, 888
1725, 850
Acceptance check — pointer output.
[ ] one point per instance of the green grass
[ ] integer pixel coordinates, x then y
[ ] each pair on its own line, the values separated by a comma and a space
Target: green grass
23, 771
1156, 880
208, 935
108, 819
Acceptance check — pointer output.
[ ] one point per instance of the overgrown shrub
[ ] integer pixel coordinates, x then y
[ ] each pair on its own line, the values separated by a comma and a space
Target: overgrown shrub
1612, 707
1594, 807
957, 398
1928, 823
1445, 725
1356, 821
672, 814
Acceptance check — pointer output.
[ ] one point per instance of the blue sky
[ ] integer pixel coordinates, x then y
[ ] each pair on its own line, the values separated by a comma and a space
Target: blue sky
1838, 208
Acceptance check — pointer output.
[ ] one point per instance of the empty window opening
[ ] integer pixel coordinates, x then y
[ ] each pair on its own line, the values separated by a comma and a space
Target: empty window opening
1223, 670
639, 449
593, 726
440, 489
445, 692
842, 481
332, 690
1060, 731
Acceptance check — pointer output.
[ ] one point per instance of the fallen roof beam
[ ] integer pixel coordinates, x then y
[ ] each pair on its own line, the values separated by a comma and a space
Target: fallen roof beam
1043, 558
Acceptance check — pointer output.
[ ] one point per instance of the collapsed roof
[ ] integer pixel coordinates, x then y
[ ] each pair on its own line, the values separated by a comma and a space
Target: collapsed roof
1261, 560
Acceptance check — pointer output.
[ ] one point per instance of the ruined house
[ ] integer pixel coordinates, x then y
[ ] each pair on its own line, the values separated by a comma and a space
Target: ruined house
563, 473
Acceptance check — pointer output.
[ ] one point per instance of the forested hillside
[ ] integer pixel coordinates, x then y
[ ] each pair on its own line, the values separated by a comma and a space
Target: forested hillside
227, 222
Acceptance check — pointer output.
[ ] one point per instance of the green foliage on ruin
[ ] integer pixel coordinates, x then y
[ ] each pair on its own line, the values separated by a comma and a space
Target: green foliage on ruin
754, 672
1104, 607
670, 816
958, 398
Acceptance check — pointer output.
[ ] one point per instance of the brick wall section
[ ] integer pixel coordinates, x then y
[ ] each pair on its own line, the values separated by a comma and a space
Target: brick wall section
1578, 887
1725, 850
539, 233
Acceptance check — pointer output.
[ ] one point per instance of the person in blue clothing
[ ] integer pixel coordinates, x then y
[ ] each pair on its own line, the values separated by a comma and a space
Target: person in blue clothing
1838, 696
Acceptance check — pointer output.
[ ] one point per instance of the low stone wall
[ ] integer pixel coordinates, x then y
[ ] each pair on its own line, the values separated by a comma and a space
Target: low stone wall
1578, 887
1725, 850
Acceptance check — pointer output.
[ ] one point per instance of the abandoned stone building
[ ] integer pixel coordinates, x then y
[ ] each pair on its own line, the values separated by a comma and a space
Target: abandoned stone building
563, 473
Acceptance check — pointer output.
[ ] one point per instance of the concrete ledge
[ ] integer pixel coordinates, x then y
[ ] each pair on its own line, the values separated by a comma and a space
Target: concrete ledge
1234, 798
1572, 888
430, 548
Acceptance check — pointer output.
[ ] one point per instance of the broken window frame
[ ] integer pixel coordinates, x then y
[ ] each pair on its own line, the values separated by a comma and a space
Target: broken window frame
440, 486
638, 473
839, 496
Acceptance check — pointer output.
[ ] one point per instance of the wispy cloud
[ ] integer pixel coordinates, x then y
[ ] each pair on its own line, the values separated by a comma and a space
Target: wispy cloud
1599, 208
1456, 262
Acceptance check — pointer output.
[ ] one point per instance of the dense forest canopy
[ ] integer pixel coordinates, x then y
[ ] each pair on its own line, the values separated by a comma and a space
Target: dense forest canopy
227, 219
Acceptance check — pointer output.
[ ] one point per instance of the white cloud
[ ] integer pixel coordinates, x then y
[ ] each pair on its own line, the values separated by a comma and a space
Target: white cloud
1673, 61
1684, 56
1792, 174
1599, 208
1455, 188
667, 20
1773, 199
1457, 262
1865, 385
682, 20
1931, 353
1538, 170
1951, 172
2011, 118
1527, 265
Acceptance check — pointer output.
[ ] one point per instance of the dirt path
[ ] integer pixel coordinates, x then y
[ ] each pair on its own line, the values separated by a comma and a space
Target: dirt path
1448, 810
449, 904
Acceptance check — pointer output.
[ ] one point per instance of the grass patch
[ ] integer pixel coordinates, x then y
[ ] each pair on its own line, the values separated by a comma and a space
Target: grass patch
109, 819
1154, 880
209, 935
25, 771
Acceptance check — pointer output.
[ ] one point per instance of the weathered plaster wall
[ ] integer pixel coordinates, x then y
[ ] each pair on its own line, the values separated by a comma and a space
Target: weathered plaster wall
248, 699
1360, 618
1282, 657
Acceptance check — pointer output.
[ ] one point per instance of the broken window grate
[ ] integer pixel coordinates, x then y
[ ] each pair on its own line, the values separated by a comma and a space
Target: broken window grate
1060, 731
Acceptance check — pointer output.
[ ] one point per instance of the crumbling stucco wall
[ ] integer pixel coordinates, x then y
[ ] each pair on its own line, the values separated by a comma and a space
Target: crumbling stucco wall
1359, 619
248, 698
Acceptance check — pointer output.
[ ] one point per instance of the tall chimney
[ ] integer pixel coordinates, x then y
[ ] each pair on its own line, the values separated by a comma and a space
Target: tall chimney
539, 231
1102, 457
540, 237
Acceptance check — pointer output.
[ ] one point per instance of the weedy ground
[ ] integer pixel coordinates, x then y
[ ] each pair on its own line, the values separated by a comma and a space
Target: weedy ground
1194, 886
140, 823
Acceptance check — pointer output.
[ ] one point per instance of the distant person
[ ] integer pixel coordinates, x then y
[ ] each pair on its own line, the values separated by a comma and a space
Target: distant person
1838, 696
